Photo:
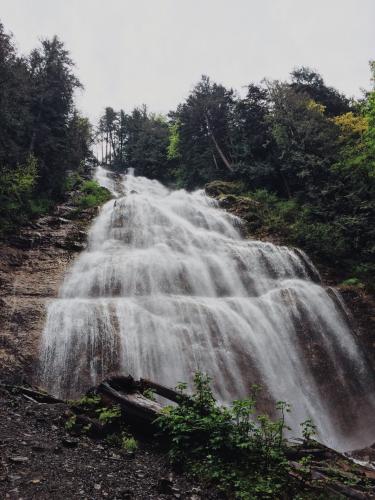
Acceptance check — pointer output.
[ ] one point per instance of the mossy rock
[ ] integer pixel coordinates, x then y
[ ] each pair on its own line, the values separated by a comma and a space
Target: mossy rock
217, 188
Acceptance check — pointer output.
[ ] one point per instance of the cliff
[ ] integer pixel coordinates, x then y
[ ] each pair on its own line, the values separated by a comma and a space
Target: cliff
32, 266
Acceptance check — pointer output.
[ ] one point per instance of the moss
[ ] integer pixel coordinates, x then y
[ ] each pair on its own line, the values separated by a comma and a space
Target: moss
217, 188
92, 195
352, 282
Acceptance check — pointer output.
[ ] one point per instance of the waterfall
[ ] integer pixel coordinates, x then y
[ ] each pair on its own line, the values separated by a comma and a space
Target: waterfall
168, 286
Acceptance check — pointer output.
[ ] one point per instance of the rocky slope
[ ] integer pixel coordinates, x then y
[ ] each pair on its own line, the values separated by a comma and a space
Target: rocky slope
40, 459
32, 266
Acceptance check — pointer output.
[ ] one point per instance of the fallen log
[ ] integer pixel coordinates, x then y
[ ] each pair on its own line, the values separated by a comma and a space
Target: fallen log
161, 390
128, 385
40, 397
137, 409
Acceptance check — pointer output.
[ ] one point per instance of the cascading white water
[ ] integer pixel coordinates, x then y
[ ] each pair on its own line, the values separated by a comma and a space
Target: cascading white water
168, 286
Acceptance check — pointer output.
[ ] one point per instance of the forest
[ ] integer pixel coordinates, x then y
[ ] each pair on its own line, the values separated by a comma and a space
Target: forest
300, 149
43, 137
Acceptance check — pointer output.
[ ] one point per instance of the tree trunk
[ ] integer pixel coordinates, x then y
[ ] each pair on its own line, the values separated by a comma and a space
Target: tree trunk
218, 148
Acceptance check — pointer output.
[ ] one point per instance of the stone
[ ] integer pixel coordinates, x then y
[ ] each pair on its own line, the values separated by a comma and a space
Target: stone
69, 443
18, 460
165, 486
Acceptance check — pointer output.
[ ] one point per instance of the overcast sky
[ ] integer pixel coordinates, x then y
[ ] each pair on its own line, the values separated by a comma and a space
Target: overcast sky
130, 52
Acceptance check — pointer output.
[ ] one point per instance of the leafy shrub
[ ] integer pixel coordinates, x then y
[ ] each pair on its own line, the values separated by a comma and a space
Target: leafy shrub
122, 440
352, 282
149, 394
109, 415
308, 429
16, 193
72, 181
241, 451
92, 195
40, 206
71, 422
128, 443
87, 402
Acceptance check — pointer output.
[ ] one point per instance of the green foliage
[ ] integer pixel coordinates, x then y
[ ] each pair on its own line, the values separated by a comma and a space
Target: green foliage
327, 237
40, 206
73, 181
17, 194
307, 81
149, 394
122, 440
71, 422
42, 136
87, 402
352, 282
129, 443
173, 151
301, 149
92, 195
109, 415
241, 451
308, 429
137, 140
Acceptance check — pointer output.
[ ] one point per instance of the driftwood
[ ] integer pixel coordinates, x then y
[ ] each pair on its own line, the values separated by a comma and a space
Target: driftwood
138, 409
38, 396
160, 390
128, 394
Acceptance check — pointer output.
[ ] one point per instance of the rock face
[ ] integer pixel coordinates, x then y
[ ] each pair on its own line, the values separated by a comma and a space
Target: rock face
32, 266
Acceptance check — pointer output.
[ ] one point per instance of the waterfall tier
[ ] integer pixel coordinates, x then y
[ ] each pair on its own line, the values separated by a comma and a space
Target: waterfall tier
168, 286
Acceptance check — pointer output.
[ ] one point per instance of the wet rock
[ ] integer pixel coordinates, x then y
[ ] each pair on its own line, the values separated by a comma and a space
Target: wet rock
165, 486
14, 477
217, 188
18, 460
69, 443
41, 447
126, 493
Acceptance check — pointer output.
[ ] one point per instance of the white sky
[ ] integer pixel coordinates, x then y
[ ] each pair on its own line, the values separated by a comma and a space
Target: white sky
130, 52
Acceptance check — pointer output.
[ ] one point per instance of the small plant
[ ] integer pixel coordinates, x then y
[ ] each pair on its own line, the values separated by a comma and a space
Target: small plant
353, 282
87, 402
108, 415
149, 394
71, 422
128, 443
87, 428
308, 429
305, 466
122, 440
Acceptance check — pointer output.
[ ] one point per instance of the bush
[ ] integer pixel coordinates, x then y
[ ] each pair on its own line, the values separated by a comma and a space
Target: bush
352, 282
242, 452
92, 195
129, 443
17, 197
109, 415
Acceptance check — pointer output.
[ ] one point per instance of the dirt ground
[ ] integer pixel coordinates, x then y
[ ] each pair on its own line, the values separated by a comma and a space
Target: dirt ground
40, 460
